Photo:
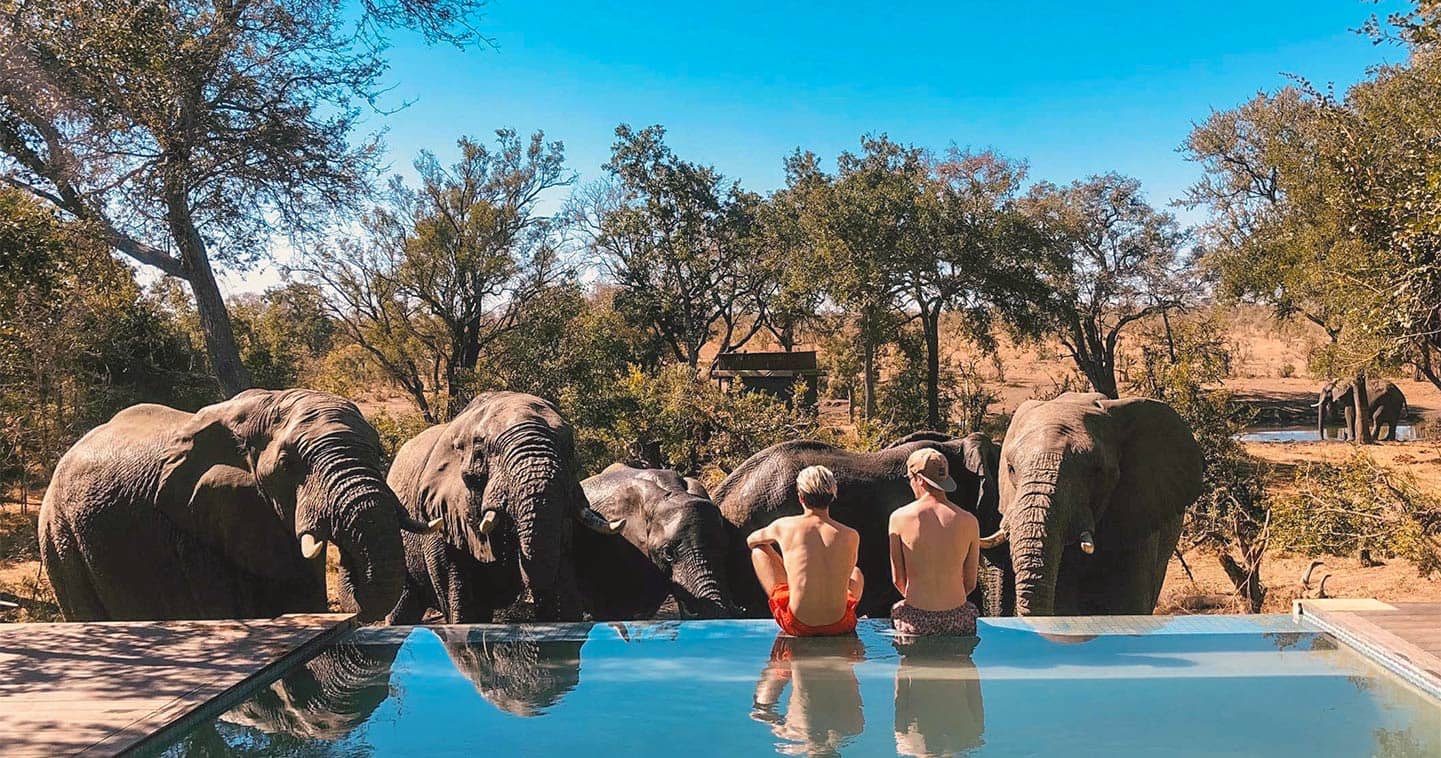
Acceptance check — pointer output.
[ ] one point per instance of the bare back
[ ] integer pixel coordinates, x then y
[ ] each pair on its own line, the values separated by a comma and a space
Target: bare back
819, 555
937, 545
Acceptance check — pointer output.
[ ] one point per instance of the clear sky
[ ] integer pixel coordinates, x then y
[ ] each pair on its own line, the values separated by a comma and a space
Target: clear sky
1072, 87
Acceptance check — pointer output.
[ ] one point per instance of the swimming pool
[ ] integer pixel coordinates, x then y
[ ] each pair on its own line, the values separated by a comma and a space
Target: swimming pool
1199, 685
1404, 433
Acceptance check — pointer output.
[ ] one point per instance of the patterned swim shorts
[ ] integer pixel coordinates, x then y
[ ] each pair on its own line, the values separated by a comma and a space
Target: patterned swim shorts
921, 623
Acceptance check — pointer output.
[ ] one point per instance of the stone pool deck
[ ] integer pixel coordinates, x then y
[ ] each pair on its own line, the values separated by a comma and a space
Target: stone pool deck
1404, 637
103, 688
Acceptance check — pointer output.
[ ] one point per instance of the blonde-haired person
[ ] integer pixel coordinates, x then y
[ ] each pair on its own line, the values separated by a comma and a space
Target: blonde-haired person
935, 553
807, 563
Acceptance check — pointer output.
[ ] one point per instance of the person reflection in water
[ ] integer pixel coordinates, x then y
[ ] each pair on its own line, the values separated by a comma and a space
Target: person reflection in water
938, 696
824, 711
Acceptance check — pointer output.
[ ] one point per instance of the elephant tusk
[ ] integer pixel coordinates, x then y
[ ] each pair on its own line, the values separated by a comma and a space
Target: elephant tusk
311, 547
487, 522
597, 523
995, 540
1316, 404
1088, 543
413, 526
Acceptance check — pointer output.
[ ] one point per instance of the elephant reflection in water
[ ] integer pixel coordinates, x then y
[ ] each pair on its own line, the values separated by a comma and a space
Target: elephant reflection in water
520, 673
938, 696
325, 699
824, 711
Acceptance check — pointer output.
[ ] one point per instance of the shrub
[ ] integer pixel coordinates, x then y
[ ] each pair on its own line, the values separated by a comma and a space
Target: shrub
1288, 370
1339, 509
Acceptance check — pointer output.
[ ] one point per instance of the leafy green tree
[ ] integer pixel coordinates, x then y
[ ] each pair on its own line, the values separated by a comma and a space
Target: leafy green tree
443, 271
1116, 260
283, 333
671, 236
182, 131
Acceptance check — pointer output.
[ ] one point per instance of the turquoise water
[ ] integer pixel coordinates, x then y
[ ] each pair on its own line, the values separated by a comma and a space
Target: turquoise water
1261, 685
1404, 433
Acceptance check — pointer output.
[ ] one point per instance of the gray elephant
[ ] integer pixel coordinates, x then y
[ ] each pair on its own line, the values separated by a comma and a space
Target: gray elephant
502, 479
871, 487
1093, 494
223, 513
1387, 404
327, 698
674, 543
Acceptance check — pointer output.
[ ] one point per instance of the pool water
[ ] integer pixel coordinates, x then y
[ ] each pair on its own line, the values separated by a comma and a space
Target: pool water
1255, 685
1404, 433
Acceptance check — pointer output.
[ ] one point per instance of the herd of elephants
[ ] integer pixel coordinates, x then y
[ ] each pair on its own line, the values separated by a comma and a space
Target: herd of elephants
225, 513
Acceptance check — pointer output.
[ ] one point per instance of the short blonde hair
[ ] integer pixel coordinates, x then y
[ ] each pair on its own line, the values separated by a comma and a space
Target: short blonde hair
816, 486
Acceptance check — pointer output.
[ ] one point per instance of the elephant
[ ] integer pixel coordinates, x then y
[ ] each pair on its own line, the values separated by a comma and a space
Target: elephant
501, 479
523, 674
674, 543
1093, 495
223, 513
1386, 402
871, 486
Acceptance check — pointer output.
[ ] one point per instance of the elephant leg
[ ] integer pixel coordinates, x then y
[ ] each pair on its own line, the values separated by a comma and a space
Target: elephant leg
69, 575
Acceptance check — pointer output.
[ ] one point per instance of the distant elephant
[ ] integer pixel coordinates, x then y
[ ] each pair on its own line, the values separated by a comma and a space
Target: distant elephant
502, 478
519, 671
326, 698
223, 513
1093, 494
1387, 404
871, 487
674, 542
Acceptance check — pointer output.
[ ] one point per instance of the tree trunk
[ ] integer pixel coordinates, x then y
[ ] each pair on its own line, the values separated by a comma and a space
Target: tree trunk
930, 324
209, 304
1363, 415
868, 367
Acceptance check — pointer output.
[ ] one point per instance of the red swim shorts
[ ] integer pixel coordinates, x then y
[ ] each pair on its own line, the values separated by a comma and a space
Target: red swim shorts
780, 601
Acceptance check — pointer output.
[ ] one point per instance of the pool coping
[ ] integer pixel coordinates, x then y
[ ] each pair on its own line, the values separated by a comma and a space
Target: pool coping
155, 742
1361, 626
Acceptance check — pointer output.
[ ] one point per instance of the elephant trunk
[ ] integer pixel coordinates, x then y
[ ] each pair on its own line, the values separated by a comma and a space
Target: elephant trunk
700, 589
1035, 553
1321, 418
361, 515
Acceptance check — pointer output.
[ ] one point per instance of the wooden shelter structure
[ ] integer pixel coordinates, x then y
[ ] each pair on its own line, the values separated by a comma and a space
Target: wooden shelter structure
774, 373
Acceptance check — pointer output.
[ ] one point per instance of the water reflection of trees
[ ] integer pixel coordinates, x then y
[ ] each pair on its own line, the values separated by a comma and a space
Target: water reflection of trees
521, 672
938, 697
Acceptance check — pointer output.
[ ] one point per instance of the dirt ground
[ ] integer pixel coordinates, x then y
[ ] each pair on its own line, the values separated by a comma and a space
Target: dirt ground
1269, 367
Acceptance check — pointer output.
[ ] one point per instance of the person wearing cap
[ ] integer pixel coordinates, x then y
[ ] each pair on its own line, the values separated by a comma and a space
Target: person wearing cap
812, 582
935, 553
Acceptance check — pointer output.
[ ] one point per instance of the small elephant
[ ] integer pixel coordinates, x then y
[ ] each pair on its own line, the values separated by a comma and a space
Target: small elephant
1387, 404
502, 479
223, 513
1093, 495
871, 487
674, 543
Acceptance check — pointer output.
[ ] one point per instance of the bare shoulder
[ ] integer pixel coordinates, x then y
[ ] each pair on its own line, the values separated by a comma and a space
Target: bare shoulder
967, 520
903, 514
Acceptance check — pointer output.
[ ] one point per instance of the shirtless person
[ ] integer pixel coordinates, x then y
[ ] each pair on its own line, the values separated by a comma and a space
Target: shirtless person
935, 552
813, 583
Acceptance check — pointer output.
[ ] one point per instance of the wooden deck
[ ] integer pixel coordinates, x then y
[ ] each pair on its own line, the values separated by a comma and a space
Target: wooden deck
99, 688
1404, 637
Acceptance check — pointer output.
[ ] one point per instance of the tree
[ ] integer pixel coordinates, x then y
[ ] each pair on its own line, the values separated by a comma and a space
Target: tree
671, 235
442, 271
1115, 261
182, 131
283, 332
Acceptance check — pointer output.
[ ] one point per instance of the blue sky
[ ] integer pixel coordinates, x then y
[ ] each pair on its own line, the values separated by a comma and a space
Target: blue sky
1074, 88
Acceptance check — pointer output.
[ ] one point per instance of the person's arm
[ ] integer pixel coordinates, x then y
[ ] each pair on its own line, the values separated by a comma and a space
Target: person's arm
898, 562
762, 537
970, 573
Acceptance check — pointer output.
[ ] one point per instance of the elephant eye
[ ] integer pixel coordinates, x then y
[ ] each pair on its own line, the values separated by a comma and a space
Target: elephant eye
667, 553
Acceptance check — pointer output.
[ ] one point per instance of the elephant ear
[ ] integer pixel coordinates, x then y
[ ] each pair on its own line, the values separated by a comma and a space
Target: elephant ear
442, 492
203, 442
694, 487
981, 457
1160, 465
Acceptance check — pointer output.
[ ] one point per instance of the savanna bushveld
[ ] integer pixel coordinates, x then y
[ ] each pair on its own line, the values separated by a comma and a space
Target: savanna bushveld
490, 310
